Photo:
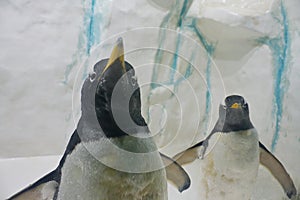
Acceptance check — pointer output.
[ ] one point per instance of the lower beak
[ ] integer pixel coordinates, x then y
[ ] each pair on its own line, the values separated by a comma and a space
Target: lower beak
236, 106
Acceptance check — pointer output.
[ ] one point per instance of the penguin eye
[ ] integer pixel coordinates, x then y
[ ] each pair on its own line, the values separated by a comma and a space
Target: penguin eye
245, 105
225, 107
92, 76
133, 80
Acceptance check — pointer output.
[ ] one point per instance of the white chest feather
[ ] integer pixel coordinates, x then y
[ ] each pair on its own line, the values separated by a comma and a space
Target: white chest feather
230, 170
84, 177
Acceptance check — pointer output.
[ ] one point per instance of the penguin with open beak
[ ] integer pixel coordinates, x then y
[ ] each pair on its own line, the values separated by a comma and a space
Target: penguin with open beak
230, 168
111, 154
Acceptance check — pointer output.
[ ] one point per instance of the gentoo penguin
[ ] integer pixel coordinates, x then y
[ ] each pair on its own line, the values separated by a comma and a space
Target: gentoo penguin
230, 168
111, 154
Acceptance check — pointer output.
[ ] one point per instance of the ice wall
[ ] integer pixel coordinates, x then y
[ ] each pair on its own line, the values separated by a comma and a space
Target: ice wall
189, 57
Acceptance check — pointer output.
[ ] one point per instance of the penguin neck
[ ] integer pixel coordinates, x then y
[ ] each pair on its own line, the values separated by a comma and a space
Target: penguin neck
111, 127
241, 125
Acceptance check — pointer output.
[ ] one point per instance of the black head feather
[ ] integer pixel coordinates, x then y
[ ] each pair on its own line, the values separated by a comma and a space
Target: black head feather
111, 95
234, 115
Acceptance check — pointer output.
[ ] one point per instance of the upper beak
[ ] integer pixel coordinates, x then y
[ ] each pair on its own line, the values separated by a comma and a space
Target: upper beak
116, 54
236, 106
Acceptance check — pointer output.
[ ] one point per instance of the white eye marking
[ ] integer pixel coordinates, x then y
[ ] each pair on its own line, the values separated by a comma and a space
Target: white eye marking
92, 76
133, 80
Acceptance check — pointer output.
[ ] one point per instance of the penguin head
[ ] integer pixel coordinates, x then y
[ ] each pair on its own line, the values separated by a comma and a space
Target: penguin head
111, 91
235, 114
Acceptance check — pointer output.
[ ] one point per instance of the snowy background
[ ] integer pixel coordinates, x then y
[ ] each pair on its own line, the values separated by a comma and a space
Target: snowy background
196, 53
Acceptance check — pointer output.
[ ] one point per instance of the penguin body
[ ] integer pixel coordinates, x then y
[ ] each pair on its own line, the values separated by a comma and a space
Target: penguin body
111, 154
84, 177
230, 169
232, 164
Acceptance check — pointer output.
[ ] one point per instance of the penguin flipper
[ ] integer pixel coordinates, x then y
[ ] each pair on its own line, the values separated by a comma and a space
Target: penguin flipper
176, 174
277, 170
189, 155
44, 188
47, 186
